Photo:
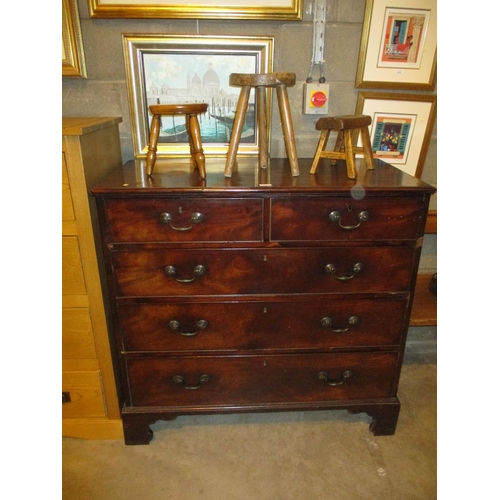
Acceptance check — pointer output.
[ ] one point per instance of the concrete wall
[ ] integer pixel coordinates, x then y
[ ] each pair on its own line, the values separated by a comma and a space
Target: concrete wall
104, 92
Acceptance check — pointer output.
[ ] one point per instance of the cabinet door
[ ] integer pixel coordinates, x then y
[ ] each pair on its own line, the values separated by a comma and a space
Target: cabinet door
73, 280
85, 392
68, 212
77, 336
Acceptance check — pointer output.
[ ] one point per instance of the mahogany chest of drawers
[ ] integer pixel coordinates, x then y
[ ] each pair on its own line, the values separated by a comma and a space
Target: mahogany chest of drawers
262, 292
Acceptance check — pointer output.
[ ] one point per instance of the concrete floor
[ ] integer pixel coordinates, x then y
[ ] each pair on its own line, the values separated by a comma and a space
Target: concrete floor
280, 456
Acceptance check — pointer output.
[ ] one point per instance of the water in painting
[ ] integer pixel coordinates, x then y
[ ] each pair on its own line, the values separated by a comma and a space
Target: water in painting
175, 78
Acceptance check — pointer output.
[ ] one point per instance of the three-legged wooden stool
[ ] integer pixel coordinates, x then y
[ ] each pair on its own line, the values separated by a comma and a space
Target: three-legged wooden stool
192, 128
344, 148
261, 82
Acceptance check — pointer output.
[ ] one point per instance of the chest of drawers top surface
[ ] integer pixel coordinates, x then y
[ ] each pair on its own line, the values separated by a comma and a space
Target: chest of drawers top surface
176, 176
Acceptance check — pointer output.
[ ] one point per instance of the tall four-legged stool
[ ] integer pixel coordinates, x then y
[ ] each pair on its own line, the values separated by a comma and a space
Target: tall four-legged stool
192, 127
261, 82
344, 148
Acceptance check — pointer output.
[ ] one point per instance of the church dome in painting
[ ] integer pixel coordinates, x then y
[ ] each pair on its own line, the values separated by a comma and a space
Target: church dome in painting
210, 77
196, 80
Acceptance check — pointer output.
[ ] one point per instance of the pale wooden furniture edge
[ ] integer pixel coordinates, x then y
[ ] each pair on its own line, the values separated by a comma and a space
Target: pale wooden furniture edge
92, 428
89, 157
86, 125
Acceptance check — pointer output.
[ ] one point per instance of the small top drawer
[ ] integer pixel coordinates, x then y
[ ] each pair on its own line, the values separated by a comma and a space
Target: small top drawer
184, 220
325, 219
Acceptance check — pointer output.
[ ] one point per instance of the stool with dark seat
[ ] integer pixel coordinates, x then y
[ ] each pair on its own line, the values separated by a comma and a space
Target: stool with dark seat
344, 148
191, 111
261, 82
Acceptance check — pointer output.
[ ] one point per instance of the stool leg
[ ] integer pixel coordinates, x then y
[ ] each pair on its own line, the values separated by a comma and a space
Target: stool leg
349, 155
190, 138
339, 144
239, 120
367, 147
323, 139
287, 126
194, 133
153, 144
262, 126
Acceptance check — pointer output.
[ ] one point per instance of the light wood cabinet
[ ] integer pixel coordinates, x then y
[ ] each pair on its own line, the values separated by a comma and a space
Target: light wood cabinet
90, 149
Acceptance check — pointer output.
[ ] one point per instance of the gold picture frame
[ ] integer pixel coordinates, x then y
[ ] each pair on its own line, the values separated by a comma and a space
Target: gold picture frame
175, 69
282, 10
401, 127
73, 58
398, 45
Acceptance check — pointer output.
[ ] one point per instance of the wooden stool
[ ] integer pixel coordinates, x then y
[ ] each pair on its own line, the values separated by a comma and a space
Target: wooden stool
192, 128
344, 148
279, 81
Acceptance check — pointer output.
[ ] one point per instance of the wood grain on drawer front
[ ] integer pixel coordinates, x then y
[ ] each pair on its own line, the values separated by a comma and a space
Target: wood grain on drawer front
190, 220
261, 271
306, 324
240, 380
311, 219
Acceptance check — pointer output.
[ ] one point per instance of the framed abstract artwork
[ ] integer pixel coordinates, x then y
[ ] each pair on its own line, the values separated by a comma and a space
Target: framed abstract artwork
401, 127
398, 45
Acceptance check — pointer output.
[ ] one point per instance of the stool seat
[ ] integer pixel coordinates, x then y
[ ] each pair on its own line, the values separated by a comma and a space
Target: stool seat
346, 122
344, 149
262, 81
190, 110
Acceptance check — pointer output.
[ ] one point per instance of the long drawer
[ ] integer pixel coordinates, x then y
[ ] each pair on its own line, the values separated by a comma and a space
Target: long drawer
331, 219
185, 220
258, 325
246, 380
262, 271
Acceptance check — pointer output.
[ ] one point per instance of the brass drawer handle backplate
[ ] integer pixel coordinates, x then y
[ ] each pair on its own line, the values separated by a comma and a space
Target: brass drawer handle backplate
336, 217
179, 379
200, 325
357, 269
196, 218
323, 376
170, 271
327, 322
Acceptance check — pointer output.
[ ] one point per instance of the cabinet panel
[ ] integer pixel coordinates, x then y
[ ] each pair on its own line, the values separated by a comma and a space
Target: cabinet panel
90, 149
85, 391
68, 212
77, 335
73, 280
